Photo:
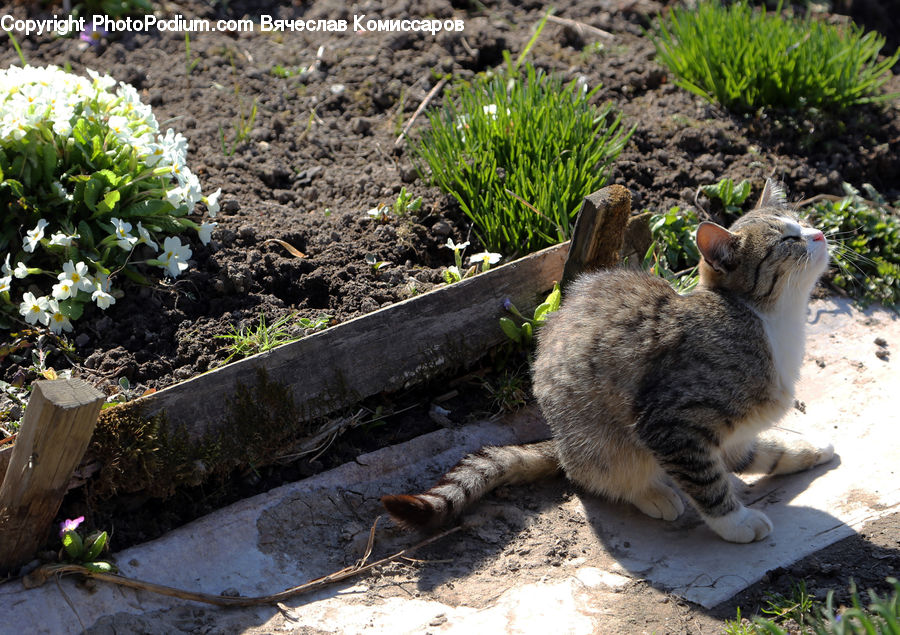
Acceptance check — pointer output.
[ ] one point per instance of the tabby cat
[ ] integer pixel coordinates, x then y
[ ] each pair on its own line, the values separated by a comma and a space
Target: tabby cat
648, 392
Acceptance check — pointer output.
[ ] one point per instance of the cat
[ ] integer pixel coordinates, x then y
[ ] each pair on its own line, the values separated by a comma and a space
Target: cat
646, 390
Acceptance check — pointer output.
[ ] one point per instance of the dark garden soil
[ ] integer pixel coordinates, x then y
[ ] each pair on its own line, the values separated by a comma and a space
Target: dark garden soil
322, 152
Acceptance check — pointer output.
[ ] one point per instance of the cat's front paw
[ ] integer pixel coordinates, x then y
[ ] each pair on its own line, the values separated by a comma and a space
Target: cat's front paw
823, 455
660, 501
741, 525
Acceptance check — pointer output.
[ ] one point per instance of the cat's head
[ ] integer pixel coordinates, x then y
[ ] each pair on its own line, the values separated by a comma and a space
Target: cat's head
766, 255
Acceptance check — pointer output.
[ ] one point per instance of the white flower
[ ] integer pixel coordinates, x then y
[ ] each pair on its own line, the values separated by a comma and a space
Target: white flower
205, 231
490, 109
6, 268
34, 309
5, 283
145, 237
455, 246
212, 203
78, 275
20, 271
118, 125
123, 239
58, 321
174, 256
33, 237
485, 257
102, 298
62, 240
64, 289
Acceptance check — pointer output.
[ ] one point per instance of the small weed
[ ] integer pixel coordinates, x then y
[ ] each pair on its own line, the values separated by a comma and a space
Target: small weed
263, 337
189, 64
746, 59
509, 391
732, 196
243, 122
674, 254
865, 245
372, 261
405, 203
801, 613
524, 334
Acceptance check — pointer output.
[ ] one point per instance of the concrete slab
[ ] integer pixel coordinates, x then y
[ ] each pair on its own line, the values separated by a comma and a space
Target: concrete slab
534, 559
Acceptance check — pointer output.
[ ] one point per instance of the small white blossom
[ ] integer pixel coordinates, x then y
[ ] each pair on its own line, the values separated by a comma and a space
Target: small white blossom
34, 309
20, 271
33, 237
123, 238
205, 231
64, 289
485, 257
212, 203
6, 268
145, 238
103, 299
5, 283
174, 256
78, 275
58, 322
62, 239
455, 246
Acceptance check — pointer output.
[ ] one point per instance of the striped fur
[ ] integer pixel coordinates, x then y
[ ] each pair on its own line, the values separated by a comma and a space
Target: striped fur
649, 393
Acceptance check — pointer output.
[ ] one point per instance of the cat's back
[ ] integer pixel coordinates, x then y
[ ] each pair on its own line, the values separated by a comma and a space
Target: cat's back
626, 325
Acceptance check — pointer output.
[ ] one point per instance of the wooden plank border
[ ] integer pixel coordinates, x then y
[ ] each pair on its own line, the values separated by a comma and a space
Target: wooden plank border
386, 350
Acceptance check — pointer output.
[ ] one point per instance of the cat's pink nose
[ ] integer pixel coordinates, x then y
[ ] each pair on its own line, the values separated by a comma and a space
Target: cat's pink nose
817, 236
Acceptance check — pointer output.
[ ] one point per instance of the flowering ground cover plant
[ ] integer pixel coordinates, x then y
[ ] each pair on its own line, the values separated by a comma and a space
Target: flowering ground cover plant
92, 189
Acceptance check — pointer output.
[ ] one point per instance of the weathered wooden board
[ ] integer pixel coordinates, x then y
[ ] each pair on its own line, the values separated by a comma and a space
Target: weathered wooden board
386, 350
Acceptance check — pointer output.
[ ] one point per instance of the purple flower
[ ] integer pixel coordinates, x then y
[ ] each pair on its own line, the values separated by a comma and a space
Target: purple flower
93, 36
507, 303
70, 525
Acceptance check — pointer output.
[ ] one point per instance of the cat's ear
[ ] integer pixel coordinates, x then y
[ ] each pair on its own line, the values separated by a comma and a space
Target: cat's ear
772, 195
717, 244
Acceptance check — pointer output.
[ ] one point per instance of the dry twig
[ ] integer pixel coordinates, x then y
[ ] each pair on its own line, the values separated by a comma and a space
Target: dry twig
39, 576
581, 27
431, 93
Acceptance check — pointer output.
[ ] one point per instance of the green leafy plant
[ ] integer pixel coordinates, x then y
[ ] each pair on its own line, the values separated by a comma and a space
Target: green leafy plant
524, 333
376, 264
520, 136
748, 59
189, 63
84, 551
405, 203
732, 196
673, 254
865, 239
455, 273
90, 188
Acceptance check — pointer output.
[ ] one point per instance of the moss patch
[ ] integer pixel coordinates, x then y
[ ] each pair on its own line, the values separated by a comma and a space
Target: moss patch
137, 453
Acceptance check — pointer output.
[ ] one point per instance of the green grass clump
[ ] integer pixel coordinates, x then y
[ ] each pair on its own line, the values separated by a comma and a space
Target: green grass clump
865, 245
519, 151
746, 60
802, 613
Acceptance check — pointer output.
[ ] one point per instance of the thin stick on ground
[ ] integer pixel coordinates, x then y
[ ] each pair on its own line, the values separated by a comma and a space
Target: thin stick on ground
431, 93
581, 27
44, 573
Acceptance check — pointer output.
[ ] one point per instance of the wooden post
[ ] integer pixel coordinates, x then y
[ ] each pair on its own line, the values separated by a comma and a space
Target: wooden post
55, 433
599, 231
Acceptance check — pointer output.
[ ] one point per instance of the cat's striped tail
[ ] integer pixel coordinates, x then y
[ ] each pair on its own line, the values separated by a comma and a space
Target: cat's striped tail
473, 477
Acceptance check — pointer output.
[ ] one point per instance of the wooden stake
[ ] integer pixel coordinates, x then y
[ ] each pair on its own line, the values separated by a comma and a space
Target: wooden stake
599, 231
55, 433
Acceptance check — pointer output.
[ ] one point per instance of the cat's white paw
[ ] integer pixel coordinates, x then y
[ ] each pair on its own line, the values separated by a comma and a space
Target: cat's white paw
660, 501
741, 525
823, 455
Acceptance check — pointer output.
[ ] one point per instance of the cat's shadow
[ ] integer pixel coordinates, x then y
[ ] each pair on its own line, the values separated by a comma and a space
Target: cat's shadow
683, 556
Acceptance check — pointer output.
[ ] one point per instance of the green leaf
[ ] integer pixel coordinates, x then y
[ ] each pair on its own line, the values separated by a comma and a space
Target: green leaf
541, 312
73, 544
86, 239
510, 329
554, 298
72, 308
92, 190
109, 201
148, 207
94, 545
101, 567
527, 333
